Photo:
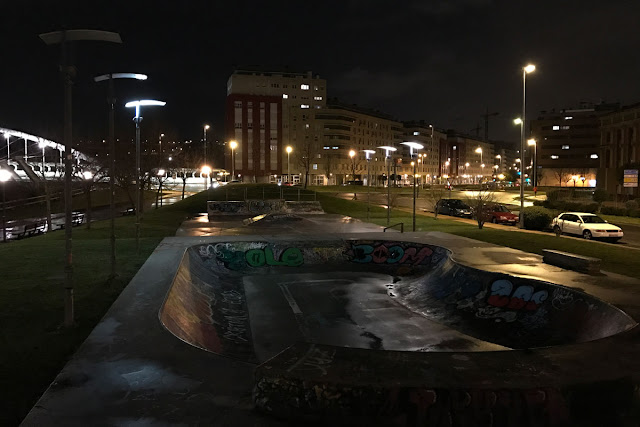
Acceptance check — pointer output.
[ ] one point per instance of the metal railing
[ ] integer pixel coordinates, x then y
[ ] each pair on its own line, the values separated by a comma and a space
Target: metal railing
401, 224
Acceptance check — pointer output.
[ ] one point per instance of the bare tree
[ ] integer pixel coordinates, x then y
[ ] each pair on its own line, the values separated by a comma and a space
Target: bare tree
560, 174
329, 164
90, 172
481, 203
305, 154
434, 195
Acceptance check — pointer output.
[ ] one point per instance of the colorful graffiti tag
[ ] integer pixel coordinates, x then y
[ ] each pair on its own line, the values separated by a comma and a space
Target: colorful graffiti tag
392, 254
523, 298
253, 257
291, 257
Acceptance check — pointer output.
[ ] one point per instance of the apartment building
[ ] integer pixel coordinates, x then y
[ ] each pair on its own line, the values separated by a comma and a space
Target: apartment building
265, 113
619, 148
568, 144
429, 157
465, 159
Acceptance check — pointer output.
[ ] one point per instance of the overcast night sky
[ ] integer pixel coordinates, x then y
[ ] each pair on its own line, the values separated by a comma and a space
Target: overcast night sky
441, 61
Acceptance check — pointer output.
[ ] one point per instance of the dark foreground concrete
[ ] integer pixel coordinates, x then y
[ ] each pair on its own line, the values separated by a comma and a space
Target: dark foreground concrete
229, 295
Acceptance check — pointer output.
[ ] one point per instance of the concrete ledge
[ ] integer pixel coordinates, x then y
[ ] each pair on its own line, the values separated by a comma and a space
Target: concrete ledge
571, 261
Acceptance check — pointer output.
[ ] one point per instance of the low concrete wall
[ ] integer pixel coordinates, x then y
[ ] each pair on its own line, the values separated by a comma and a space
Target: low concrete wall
256, 207
571, 261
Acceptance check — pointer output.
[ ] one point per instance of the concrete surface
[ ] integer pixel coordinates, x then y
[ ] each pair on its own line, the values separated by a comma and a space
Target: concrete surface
133, 371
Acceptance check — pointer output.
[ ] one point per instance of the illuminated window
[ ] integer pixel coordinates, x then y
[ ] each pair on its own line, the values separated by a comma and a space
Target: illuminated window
554, 157
594, 156
315, 166
565, 127
285, 96
304, 87
556, 128
416, 133
565, 147
568, 118
317, 98
304, 106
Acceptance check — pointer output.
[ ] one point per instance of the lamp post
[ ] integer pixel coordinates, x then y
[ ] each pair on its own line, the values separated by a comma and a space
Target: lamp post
499, 157
68, 71
160, 147
160, 175
289, 149
530, 68
5, 175
387, 159
206, 128
413, 146
233, 145
7, 136
111, 100
479, 151
532, 143
206, 170
137, 119
368, 154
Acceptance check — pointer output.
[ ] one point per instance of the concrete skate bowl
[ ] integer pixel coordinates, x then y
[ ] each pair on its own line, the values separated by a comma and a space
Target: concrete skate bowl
355, 330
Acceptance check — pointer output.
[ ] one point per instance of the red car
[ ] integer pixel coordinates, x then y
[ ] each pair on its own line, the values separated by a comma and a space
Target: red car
500, 214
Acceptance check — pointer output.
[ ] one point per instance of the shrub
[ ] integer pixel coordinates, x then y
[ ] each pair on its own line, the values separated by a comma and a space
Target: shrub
631, 205
634, 213
536, 218
610, 210
565, 206
554, 195
600, 195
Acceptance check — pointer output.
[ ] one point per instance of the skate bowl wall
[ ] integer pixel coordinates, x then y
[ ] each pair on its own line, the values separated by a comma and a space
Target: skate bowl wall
206, 305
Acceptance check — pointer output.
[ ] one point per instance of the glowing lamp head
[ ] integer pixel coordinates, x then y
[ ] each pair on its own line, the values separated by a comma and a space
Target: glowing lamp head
206, 170
206, 127
352, 154
289, 149
479, 150
161, 172
368, 153
517, 121
529, 68
87, 175
531, 141
467, 164
5, 175
233, 145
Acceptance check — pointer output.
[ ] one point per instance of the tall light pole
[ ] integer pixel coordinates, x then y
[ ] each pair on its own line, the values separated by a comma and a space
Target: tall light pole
68, 71
289, 149
368, 154
137, 119
6, 137
233, 145
530, 68
206, 128
387, 160
160, 175
111, 101
499, 157
160, 147
479, 151
532, 142
5, 176
414, 146
206, 170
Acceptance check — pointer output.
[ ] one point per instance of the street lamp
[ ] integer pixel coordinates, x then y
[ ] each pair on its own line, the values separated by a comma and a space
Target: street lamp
206, 170
233, 145
388, 150
111, 100
352, 155
413, 146
289, 149
160, 148
7, 136
5, 176
206, 127
499, 157
160, 175
137, 119
530, 68
68, 71
368, 154
532, 143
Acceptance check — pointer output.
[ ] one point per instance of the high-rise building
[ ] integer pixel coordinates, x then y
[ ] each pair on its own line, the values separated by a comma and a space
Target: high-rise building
265, 113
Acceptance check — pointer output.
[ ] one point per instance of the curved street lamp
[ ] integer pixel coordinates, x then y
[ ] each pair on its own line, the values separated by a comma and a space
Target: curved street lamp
137, 119
414, 146
233, 145
387, 160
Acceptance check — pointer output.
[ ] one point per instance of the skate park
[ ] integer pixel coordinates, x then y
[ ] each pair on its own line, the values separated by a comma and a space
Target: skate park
273, 317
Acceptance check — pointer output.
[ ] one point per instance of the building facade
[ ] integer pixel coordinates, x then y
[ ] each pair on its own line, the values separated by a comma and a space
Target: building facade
568, 145
619, 148
465, 159
292, 100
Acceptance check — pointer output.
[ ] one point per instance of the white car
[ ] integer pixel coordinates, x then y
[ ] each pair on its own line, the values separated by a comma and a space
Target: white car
587, 225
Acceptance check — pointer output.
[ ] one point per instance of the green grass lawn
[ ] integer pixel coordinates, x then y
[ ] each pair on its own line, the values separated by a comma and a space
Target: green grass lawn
34, 345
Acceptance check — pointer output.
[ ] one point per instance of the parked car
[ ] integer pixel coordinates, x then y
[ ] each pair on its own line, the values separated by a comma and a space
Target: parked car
587, 225
454, 207
500, 214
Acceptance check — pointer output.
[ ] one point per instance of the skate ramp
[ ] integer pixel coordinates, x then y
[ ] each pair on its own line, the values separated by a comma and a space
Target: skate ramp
251, 300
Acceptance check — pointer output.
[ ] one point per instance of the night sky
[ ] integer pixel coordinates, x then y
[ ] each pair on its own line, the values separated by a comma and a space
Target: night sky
441, 61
